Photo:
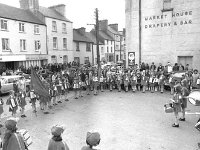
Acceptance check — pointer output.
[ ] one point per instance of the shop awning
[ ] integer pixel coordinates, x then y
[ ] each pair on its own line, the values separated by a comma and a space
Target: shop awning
12, 58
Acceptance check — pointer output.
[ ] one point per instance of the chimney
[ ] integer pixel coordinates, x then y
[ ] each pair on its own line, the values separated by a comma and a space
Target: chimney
32, 5
114, 26
81, 30
24, 4
103, 25
59, 8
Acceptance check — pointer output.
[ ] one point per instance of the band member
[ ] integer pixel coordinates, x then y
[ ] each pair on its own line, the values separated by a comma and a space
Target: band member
80, 86
161, 82
177, 97
91, 80
172, 83
138, 80
76, 85
133, 81
1, 110
22, 103
151, 83
102, 83
33, 100
66, 88
156, 81
95, 81
185, 93
126, 82
54, 94
13, 103
119, 81
144, 80
87, 82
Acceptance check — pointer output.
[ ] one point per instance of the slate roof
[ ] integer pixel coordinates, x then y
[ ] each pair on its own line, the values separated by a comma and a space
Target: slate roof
113, 31
79, 37
92, 37
105, 36
9, 12
48, 12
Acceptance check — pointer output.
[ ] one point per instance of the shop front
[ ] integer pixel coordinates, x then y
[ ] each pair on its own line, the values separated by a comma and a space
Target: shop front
35, 60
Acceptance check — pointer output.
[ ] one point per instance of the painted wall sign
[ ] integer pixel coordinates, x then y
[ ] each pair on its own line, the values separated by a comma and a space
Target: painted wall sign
131, 58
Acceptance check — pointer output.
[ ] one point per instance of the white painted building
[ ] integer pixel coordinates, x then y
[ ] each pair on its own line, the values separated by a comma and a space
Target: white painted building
59, 30
169, 31
22, 38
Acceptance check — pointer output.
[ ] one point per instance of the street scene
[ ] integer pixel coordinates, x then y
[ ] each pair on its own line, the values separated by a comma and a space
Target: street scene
88, 78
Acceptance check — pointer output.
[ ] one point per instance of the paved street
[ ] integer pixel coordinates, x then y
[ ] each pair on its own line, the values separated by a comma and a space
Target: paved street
126, 121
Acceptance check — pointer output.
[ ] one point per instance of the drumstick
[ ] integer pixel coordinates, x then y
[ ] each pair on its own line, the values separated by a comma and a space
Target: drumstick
195, 113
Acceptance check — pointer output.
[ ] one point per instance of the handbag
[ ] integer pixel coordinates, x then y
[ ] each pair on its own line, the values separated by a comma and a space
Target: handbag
168, 108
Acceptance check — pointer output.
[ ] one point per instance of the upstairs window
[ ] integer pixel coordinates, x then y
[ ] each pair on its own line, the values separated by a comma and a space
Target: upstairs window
4, 24
5, 44
37, 45
21, 27
54, 26
23, 45
77, 46
167, 5
64, 28
64, 43
88, 48
55, 43
36, 29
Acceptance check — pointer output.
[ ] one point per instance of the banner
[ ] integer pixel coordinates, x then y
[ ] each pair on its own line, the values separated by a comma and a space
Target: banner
37, 85
131, 58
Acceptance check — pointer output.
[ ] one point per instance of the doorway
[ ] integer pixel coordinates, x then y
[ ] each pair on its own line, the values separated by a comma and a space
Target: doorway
184, 60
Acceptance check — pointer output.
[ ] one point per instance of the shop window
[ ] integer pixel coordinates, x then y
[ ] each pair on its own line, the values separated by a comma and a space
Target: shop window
65, 59
53, 59
87, 60
5, 44
77, 59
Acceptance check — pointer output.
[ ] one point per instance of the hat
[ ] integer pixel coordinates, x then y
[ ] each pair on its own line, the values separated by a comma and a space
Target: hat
57, 130
93, 139
11, 123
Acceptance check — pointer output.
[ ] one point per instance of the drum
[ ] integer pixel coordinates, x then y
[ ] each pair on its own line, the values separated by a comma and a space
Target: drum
194, 98
197, 126
168, 108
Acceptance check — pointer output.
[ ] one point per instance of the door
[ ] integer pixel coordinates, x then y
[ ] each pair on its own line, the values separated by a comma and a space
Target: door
184, 60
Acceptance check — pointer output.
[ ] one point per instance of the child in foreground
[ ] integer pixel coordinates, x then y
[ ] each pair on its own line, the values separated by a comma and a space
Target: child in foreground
92, 139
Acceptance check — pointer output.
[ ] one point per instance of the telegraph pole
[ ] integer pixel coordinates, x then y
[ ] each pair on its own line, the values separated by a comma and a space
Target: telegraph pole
97, 41
140, 32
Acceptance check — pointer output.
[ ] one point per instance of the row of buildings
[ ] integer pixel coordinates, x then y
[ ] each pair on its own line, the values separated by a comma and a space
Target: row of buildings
33, 35
163, 31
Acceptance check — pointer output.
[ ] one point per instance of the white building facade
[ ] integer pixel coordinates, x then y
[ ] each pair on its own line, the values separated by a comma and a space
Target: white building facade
169, 31
22, 39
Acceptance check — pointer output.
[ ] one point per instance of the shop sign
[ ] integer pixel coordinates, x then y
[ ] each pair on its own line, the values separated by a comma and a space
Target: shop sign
131, 58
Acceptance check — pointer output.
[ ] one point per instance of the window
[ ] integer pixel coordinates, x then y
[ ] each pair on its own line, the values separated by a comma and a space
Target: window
102, 51
64, 28
21, 27
53, 59
117, 47
111, 49
77, 46
5, 44
54, 26
36, 29
4, 25
167, 5
87, 60
55, 43
65, 59
23, 45
37, 45
64, 43
31, 3
107, 49
88, 48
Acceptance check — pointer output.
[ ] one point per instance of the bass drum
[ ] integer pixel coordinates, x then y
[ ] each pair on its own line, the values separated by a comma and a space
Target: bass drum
194, 98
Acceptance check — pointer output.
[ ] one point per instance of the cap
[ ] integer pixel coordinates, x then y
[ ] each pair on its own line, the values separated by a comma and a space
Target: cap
11, 123
57, 130
93, 139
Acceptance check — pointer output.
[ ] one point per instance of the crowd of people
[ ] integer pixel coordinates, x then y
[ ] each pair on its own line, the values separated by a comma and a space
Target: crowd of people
91, 80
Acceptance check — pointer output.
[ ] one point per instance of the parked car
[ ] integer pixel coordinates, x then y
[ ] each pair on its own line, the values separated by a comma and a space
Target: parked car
7, 83
177, 76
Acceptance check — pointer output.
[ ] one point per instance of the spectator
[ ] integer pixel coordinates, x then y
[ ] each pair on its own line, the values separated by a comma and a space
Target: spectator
12, 140
160, 68
188, 68
56, 142
143, 67
195, 76
175, 67
92, 139
147, 66
153, 67
180, 67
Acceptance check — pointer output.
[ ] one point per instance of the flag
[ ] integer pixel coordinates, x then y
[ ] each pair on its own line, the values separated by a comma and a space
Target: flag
37, 85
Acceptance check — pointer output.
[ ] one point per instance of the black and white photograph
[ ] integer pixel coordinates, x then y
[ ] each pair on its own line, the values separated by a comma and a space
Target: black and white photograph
99, 75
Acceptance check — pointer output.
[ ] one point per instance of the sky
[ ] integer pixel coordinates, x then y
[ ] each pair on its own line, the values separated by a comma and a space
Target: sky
81, 12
